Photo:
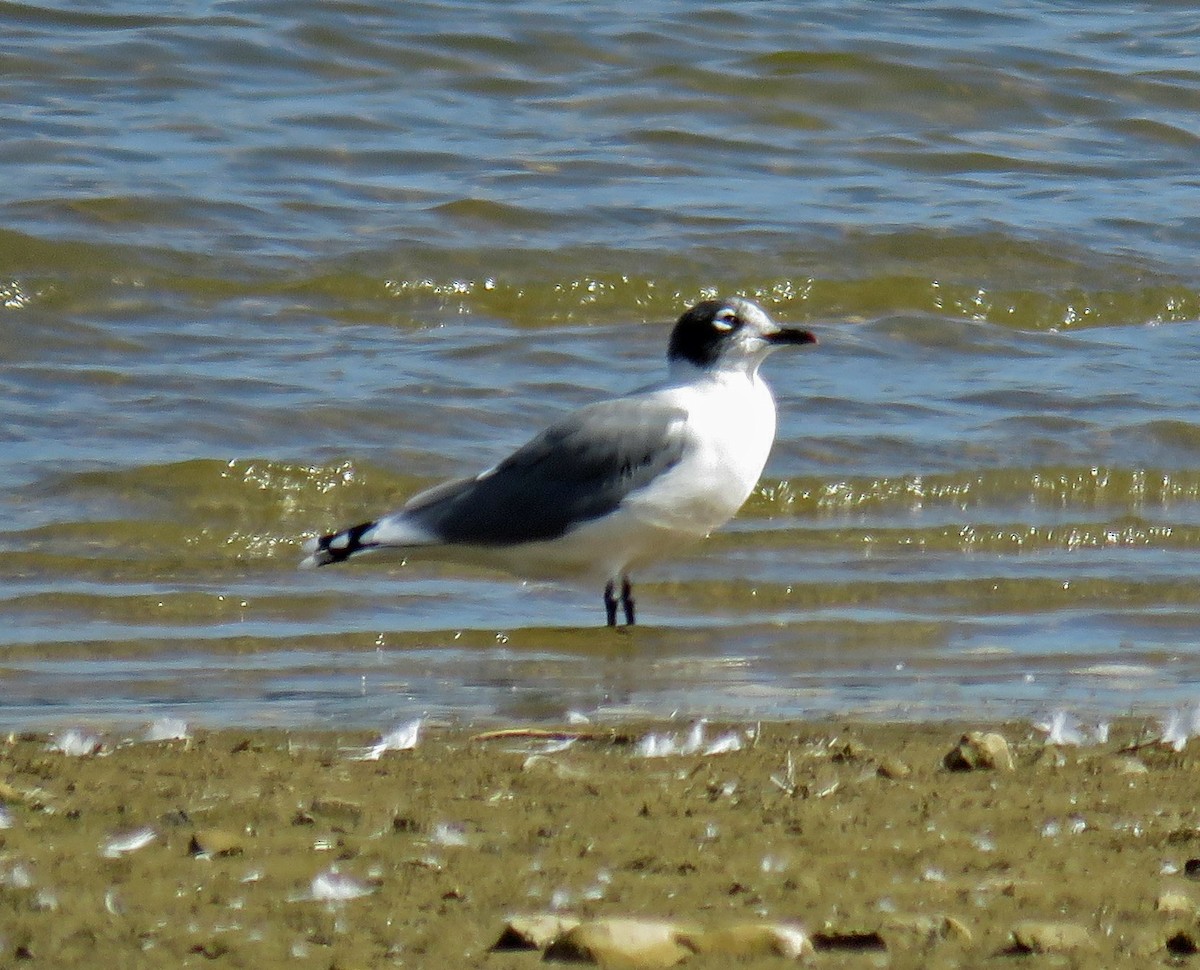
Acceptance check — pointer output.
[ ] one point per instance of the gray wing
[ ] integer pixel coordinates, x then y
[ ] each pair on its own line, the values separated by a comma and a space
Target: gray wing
576, 470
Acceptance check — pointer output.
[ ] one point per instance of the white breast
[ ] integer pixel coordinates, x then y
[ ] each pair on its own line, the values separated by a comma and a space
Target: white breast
730, 429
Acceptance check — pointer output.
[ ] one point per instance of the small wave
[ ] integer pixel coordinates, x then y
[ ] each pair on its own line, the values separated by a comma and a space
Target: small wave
1047, 487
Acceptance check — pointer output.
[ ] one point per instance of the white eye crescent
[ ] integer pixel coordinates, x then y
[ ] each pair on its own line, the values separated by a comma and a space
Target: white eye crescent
725, 320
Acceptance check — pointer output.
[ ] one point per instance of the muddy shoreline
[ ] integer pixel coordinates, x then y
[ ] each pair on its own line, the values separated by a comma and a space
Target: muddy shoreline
876, 842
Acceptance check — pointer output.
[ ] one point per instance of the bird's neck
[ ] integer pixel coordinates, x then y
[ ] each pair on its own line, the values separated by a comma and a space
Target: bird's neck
685, 372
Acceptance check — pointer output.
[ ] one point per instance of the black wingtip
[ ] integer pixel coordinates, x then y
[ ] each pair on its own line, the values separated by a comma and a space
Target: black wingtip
340, 546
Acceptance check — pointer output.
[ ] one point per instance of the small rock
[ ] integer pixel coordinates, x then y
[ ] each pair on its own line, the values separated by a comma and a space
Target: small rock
340, 809
955, 930
854, 940
1175, 903
1182, 943
211, 950
749, 940
979, 750
852, 750
406, 823
533, 932
920, 929
633, 943
1037, 937
215, 843
1128, 765
893, 768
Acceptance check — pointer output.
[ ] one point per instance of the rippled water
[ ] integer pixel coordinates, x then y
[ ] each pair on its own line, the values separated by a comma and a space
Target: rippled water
267, 268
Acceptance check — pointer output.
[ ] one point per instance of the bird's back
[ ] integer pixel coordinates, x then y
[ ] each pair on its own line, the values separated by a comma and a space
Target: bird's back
579, 469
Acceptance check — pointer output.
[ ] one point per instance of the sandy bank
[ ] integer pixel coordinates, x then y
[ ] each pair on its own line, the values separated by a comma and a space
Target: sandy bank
265, 848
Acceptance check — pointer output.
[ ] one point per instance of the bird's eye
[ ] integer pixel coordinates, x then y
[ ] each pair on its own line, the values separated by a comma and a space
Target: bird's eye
725, 320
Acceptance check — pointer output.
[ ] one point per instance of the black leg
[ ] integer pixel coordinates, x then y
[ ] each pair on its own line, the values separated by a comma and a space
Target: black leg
610, 603
627, 600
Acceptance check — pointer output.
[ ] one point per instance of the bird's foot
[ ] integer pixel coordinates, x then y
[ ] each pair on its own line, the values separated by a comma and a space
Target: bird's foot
627, 601
610, 603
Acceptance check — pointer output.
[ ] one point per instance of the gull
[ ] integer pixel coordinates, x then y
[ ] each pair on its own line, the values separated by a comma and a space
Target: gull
615, 485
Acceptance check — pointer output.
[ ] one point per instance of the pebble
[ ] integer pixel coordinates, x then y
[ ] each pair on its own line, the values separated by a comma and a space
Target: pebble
921, 929
215, 843
534, 932
750, 940
980, 750
1128, 765
1182, 943
634, 943
1175, 903
854, 940
337, 809
648, 943
1037, 937
893, 769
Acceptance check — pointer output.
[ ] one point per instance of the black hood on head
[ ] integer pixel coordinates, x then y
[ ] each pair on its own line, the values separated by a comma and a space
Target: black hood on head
697, 338
707, 330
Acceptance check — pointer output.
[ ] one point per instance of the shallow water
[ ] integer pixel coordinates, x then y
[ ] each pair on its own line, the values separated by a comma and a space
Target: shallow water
266, 269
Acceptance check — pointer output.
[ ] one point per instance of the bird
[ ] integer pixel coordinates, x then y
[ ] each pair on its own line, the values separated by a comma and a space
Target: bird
616, 484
